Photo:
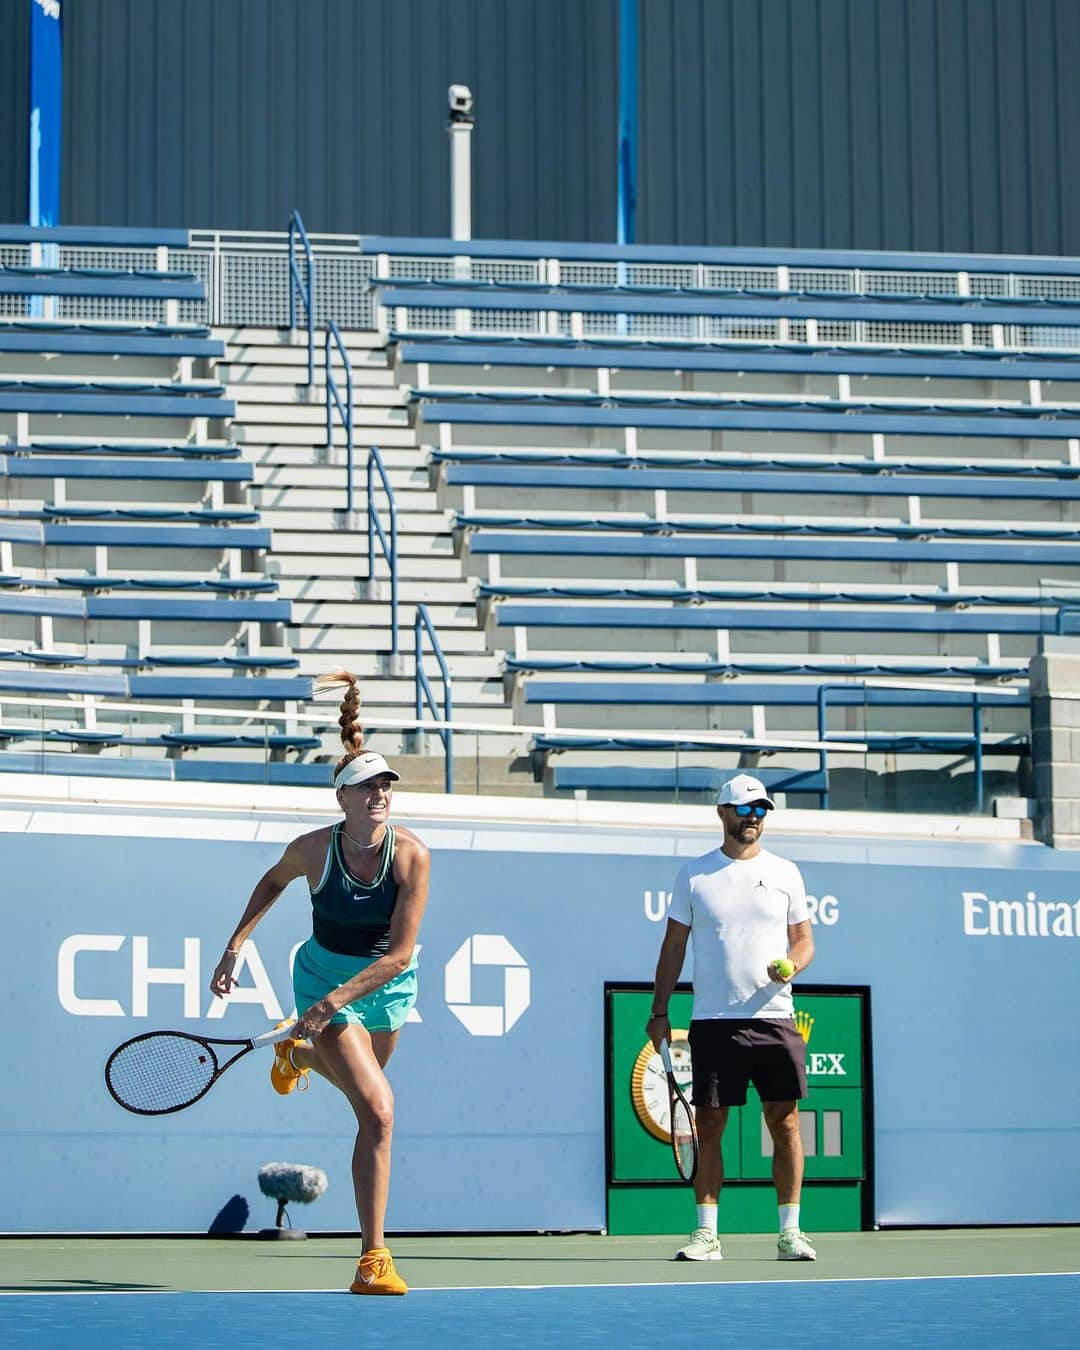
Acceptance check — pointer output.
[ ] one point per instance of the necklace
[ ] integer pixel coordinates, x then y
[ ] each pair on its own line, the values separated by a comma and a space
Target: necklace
357, 842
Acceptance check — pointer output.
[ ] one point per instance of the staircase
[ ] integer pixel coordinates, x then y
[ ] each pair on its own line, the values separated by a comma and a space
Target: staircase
321, 565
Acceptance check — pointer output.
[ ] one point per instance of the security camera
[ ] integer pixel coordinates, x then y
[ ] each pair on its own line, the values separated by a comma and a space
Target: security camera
460, 98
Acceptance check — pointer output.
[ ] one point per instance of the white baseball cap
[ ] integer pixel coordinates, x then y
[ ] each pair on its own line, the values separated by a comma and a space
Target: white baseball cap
363, 767
741, 789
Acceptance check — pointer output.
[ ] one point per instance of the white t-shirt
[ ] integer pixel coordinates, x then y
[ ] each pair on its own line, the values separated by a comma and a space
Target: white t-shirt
738, 914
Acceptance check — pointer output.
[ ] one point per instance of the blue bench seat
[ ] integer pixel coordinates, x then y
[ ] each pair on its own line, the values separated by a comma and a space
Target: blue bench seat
202, 515
744, 358
940, 598
749, 693
98, 339
809, 481
146, 660
828, 417
128, 404
127, 468
225, 609
164, 770
111, 535
218, 689
179, 450
683, 778
886, 742
923, 668
218, 585
106, 282
396, 292
917, 544
96, 236
851, 619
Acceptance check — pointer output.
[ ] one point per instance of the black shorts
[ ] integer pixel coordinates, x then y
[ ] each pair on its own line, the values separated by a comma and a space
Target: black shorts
729, 1052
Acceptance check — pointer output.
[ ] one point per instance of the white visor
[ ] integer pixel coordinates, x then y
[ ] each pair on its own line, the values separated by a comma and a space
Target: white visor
363, 767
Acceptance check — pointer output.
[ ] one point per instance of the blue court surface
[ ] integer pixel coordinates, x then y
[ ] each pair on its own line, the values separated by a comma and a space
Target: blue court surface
997, 1312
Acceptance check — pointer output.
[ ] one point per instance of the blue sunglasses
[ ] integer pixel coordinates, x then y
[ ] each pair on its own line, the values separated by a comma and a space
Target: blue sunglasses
760, 812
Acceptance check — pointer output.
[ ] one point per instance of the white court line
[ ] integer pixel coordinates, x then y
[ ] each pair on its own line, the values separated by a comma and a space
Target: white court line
493, 1288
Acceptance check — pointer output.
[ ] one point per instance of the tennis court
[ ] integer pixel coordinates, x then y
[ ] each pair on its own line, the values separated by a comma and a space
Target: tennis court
932, 1288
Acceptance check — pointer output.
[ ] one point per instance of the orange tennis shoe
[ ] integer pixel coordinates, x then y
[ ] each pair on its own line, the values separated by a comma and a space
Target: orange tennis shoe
285, 1077
375, 1274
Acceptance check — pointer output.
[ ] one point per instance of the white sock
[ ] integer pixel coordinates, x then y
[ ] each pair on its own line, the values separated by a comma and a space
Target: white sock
706, 1217
789, 1217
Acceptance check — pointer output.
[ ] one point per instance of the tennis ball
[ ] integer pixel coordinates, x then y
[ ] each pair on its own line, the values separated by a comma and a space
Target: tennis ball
784, 968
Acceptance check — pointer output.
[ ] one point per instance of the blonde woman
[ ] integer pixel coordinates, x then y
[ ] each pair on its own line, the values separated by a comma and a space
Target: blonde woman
355, 977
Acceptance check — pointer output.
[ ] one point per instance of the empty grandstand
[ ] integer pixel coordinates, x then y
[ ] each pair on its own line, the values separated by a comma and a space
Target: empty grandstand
652, 514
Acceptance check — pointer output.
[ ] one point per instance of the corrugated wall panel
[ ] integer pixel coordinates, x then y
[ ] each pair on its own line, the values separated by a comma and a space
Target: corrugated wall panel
14, 108
926, 124
227, 113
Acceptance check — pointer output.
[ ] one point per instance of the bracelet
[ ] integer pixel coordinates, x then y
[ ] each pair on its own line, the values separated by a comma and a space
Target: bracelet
655, 1015
231, 951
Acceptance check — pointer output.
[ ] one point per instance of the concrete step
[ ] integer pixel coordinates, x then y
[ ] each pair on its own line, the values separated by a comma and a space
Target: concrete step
408, 522
315, 639
383, 692
284, 339
349, 566
288, 434
353, 544
344, 590
264, 371
285, 412
365, 665
374, 614
332, 476
308, 500
265, 454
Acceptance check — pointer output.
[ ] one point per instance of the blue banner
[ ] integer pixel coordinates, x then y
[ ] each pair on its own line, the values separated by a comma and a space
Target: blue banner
46, 82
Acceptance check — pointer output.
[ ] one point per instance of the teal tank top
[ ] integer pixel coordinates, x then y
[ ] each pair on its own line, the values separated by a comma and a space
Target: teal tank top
348, 916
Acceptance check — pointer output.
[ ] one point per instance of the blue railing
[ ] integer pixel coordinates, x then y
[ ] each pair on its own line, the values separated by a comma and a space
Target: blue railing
333, 400
425, 693
306, 291
388, 541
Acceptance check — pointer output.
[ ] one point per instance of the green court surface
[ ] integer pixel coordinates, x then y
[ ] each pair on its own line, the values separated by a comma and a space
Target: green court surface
112, 1265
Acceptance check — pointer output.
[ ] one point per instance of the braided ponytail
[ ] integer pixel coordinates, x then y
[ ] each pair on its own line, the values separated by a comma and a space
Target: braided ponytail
352, 729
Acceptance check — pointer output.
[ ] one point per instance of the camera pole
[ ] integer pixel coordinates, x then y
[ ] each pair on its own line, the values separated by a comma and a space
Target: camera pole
460, 128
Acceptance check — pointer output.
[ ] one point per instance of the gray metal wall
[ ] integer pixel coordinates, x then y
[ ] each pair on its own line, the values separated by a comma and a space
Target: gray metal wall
14, 107
928, 124
924, 124
228, 113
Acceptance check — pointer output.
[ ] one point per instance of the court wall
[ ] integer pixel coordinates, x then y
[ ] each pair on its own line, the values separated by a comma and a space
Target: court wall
116, 911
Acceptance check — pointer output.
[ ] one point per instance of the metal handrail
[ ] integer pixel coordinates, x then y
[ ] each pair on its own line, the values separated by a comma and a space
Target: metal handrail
389, 545
425, 693
306, 292
333, 400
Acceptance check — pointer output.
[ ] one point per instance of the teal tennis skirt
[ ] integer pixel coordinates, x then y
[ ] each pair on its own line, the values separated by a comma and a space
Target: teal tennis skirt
317, 971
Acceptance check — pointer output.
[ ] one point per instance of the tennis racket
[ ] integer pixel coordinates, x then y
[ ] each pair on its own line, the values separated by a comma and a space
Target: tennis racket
684, 1140
164, 1071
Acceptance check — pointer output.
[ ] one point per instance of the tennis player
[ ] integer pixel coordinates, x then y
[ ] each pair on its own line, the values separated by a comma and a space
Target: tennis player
745, 908
355, 978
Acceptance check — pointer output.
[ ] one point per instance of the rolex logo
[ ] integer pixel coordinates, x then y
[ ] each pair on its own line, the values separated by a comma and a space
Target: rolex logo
804, 1024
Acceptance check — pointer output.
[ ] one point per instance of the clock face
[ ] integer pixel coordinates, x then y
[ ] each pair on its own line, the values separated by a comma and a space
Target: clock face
648, 1084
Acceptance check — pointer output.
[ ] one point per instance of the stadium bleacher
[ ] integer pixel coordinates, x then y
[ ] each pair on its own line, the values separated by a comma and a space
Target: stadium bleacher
666, 490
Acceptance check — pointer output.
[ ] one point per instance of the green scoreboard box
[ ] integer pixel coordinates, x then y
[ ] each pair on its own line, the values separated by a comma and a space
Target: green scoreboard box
645, 1194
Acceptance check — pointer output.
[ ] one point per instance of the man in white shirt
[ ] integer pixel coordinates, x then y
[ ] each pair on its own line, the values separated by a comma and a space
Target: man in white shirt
746, 909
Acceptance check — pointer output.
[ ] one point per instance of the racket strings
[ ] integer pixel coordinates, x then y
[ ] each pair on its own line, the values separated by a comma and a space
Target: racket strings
682, 1138
162, 1072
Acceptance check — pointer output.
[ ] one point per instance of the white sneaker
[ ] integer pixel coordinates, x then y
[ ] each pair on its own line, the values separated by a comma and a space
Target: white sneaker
703, 1245
794, 1246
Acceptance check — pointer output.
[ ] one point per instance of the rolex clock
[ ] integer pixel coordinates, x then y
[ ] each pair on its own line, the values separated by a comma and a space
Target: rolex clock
648, 1084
